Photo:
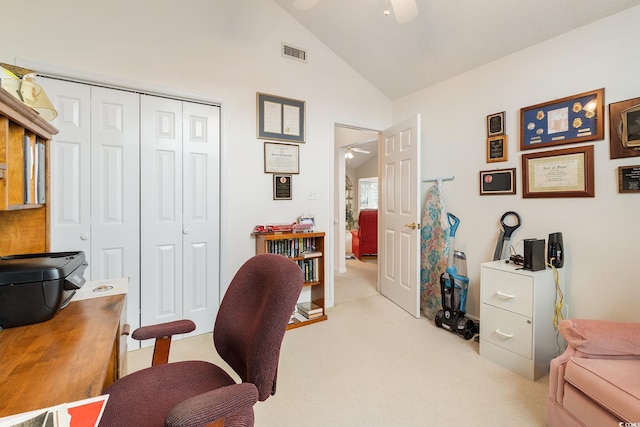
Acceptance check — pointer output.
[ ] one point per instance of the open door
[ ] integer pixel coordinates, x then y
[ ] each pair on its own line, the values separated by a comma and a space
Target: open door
399, 228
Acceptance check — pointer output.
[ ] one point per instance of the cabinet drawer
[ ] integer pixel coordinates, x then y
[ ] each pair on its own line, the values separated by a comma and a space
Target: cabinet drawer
510, 291
506, 329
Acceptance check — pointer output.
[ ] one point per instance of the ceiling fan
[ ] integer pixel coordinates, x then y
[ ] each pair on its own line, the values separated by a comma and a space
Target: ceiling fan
404, 10
348, 152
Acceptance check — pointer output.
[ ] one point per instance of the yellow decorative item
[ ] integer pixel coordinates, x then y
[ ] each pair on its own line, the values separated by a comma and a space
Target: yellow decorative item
20, 83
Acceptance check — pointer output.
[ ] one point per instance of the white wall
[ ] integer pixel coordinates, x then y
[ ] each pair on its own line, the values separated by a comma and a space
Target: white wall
601, 234
217, 50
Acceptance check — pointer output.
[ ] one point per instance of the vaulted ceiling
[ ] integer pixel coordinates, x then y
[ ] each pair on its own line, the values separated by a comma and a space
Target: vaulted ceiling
447, 38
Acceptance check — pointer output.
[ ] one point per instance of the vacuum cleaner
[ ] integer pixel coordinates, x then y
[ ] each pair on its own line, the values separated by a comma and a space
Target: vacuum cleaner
453, 288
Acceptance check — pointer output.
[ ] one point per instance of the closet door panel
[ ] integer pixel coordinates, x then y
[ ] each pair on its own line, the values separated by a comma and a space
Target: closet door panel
201, 209
161, 209
115, 194
70, 176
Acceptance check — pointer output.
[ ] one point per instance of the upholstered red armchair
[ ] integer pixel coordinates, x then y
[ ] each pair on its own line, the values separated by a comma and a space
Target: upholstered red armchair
364, 240
247, 334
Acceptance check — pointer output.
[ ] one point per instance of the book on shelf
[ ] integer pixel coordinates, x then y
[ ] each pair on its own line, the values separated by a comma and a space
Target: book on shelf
311, 254
309, 309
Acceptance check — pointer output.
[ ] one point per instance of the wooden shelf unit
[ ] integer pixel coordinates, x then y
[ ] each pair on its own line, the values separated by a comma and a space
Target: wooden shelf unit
307, 249
23, 221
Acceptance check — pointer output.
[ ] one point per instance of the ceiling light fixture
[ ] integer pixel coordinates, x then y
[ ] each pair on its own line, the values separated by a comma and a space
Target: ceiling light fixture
348, 154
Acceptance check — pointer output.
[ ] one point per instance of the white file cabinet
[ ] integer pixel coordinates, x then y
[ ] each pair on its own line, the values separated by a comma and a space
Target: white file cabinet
516, 318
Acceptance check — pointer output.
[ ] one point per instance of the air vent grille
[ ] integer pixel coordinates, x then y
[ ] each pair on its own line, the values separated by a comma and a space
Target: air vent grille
292, 52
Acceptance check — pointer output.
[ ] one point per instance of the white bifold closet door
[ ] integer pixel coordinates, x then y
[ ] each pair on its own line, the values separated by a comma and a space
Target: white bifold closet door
135, 184
94, 181
180, 220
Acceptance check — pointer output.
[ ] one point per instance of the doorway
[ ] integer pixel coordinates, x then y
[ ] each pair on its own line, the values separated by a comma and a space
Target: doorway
356, 154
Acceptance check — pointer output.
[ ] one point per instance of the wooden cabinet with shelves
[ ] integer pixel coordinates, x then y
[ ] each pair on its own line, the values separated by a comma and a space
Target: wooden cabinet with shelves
307, 249
24, 136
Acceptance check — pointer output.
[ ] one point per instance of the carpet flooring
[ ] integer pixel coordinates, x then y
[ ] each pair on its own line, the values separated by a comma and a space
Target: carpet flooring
372, 364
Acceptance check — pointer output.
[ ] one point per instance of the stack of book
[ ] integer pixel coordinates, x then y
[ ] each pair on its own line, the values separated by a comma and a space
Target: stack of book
309, 310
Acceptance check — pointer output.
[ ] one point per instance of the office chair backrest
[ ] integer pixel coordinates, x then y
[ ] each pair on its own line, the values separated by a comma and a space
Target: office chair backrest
253, 317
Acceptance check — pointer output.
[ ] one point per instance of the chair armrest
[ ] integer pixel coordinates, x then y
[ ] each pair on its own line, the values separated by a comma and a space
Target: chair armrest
162, 330
602, 337
208, 407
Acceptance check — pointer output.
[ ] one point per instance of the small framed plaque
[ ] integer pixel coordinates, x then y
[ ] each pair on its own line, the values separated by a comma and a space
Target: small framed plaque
495, 124
629, 179
497, 149
281, 187
499, 181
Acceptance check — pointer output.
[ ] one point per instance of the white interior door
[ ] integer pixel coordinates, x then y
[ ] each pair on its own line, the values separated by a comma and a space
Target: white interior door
115, 191
179, 212
70, 168
201, 214
94, 184
399, 233
161, 209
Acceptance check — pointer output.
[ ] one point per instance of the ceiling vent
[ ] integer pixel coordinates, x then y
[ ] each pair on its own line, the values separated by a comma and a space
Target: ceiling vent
292, 52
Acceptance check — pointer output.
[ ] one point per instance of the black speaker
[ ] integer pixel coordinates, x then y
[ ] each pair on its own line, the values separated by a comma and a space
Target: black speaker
534, 254
555, 250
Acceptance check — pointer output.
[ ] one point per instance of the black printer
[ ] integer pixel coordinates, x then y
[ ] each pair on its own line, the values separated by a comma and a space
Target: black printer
33, 287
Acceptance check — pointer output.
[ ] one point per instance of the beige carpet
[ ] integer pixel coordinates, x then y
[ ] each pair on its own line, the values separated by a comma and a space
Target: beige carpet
372, 364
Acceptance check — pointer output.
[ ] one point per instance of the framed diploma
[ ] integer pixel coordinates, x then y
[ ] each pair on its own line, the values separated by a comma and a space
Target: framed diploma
629, 179
499, 181
280, 118
281, 158
577, 118
495, 124
281, 187
559, 173
497, 149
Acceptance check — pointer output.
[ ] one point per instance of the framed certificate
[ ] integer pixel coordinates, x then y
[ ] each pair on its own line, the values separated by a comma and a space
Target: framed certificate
280, 118
281, 158
559, 173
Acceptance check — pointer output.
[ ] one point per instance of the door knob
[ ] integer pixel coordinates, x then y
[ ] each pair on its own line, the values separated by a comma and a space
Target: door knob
185, 231
84, 236
412, 226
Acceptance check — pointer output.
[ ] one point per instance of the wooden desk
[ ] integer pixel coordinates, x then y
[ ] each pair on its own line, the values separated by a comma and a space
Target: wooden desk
70, 357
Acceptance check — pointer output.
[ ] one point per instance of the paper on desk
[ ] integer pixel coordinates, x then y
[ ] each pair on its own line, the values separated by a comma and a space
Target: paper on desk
82, 413
102, 288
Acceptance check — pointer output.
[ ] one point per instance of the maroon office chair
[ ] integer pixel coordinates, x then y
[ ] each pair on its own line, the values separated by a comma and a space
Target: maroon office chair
247, 334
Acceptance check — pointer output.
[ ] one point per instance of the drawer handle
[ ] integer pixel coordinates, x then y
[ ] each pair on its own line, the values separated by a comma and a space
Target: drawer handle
505, 296
503, 335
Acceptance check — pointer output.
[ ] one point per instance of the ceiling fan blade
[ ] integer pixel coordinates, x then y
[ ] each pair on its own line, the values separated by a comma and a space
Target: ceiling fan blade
304, 4
405, 10
358, 150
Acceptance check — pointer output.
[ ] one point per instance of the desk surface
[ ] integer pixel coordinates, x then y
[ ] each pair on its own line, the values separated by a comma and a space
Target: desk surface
61, 360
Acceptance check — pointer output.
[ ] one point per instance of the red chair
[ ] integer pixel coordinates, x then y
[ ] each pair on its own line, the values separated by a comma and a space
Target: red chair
248, 333
364, 240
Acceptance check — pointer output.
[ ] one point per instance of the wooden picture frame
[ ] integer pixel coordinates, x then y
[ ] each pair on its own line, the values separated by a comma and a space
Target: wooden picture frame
629, 179
577, 118
617, 112
497, 149
281, 158
282, 187
279, 118
495, 124
567, 172
498, 181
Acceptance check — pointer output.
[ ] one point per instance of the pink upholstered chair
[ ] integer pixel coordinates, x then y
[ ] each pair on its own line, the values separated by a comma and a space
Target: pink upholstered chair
596, 381
247, 334
364, 240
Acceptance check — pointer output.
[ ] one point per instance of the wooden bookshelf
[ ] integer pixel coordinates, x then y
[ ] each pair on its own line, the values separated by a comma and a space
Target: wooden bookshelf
307, 249
23, 211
